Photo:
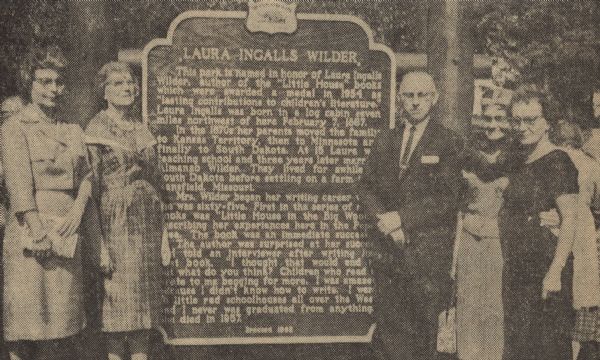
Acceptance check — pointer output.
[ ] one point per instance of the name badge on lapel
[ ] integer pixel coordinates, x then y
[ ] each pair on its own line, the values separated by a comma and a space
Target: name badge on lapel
430, 159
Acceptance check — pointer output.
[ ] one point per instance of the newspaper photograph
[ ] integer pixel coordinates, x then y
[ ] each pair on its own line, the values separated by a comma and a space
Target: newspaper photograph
278, 179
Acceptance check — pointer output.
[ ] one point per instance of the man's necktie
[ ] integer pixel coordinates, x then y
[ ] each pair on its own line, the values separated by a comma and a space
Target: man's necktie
408, 146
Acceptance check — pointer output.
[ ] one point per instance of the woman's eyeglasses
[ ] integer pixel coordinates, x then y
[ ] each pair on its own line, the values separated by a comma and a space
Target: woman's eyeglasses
121, 83
46, 82
527, 121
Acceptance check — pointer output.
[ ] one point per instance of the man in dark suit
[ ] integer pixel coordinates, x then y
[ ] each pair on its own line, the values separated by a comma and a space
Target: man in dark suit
410, 189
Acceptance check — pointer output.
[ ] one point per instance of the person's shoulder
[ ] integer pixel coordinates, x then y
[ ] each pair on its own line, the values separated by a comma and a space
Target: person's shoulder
444, 131
144, 137
96, 124
18, 119
141, 127
558, 155
385, 135
448, 138
559, 160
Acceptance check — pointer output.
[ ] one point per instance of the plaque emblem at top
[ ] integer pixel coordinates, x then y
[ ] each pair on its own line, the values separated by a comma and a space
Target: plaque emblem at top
271, 16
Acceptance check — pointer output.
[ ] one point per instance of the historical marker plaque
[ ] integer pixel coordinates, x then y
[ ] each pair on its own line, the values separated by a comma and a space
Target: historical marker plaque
262, 137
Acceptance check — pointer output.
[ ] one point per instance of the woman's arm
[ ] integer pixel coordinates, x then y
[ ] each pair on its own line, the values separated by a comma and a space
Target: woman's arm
567, 207
73, 218
94, 224
20, 185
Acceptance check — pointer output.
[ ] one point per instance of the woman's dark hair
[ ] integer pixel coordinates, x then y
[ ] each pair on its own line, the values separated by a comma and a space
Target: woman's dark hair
47, 57
528, 92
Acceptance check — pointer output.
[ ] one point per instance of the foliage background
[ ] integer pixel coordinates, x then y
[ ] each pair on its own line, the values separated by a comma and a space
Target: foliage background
554, 43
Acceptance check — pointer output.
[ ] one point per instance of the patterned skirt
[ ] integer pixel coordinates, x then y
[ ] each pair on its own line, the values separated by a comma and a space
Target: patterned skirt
132, 228
587, 325
587, 321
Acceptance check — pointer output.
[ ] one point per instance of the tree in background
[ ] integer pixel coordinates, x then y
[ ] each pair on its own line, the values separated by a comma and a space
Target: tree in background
552, 43
24, 24
393, 22
33, 22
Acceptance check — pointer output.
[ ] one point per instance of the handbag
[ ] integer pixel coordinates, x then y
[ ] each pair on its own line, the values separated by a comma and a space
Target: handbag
446, 335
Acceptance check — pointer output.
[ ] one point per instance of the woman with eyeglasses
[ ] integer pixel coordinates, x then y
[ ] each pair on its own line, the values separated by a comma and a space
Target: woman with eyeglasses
128, 189
46, 172
537, 269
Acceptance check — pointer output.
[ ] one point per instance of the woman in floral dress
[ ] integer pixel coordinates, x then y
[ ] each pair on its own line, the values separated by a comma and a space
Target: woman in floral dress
128, 183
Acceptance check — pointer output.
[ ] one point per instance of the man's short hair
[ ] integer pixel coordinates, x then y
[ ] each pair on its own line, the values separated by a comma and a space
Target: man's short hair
415, 74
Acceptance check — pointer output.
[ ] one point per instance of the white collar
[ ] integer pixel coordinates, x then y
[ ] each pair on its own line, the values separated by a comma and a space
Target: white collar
419, 127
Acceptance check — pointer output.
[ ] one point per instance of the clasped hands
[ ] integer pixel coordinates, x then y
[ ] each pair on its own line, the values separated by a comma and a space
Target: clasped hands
390, 224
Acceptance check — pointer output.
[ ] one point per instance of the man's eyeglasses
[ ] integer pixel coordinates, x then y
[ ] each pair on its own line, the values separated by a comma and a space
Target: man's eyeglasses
527, 121
419, 95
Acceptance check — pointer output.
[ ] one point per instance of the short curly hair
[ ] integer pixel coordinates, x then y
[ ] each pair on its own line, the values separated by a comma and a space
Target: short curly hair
113, 67
47, 57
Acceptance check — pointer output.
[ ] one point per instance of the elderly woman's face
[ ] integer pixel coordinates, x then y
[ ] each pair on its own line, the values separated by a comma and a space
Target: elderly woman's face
120, 89
47, 87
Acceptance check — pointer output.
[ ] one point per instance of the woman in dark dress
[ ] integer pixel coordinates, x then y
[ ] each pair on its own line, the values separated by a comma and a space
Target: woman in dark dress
537, 273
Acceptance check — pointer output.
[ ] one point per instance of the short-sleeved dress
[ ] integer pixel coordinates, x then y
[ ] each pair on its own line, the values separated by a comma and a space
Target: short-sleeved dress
534, 328
128, 184
44, 164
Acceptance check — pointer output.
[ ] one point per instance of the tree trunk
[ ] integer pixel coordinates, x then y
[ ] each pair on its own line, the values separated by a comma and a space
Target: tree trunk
91, 44
450, 62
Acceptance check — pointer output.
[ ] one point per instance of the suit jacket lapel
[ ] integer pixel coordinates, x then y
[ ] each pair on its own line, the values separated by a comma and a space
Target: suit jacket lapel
396, 149
415, 157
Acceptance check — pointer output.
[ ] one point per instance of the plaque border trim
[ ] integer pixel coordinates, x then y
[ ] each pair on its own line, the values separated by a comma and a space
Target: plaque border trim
253, 340
242, 15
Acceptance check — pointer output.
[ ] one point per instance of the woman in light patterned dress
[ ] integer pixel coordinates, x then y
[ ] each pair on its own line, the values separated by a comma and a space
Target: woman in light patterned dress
479, 313
128, 191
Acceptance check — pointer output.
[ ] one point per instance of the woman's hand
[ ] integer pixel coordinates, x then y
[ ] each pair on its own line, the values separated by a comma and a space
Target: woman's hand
42, 249
551, 220
72, 220
165, 249
106, 262
552, 281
